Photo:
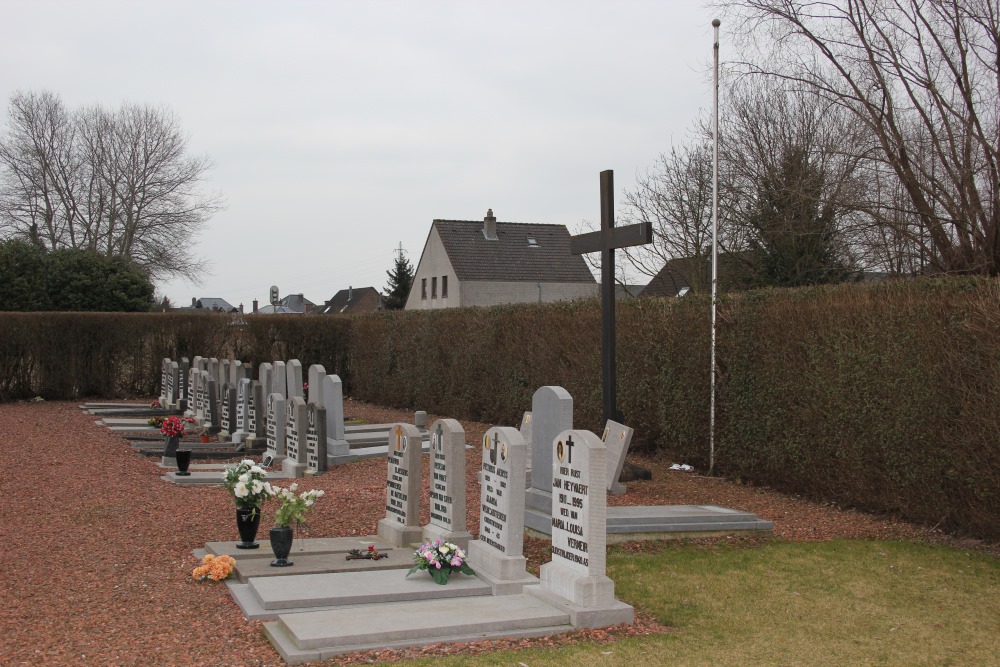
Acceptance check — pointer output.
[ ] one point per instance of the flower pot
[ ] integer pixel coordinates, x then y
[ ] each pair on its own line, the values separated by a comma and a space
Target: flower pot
206, 438
183, 461
170, 446
281, 545
247, 522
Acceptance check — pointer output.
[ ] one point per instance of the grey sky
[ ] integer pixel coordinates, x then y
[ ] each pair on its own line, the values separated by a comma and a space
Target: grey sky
339, 130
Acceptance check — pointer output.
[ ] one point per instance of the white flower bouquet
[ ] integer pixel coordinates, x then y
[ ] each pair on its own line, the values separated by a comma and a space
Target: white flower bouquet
293, 508
248, 484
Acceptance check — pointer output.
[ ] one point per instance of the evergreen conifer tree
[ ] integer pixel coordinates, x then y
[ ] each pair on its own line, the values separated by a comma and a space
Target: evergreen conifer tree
400, 280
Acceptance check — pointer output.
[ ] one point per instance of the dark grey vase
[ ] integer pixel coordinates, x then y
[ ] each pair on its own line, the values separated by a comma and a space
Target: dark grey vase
281, 545
171, 445
183, 461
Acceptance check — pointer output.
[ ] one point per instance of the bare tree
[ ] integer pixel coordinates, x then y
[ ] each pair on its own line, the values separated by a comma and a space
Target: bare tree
923, 76
117, 182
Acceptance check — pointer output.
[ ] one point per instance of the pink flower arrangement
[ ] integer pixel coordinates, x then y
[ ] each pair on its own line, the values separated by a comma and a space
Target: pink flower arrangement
172, 427
440, 559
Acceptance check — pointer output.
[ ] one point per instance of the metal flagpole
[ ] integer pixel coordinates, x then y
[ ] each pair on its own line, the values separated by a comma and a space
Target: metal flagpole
715, 238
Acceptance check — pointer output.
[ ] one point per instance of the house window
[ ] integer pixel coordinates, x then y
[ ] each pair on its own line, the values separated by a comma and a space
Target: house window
434, 287
444, 287
423, 288
532, 243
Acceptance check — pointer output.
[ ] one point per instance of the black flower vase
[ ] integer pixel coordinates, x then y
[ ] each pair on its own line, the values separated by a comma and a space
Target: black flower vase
183, 461
247, 522
281, 545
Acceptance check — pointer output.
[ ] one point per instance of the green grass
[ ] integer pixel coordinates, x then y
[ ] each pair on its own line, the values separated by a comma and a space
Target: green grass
802, 603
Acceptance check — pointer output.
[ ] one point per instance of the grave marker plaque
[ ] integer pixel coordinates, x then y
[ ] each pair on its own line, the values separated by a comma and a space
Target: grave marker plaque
296, 419
498, 556
401, 525
337, 447
447, 484
276, 426
616, 438
316, 439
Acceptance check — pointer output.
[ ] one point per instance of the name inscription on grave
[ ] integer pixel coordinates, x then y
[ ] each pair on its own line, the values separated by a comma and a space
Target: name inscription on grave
291, 433
571, 502
495, 505
441, 502
312, 441
396, 495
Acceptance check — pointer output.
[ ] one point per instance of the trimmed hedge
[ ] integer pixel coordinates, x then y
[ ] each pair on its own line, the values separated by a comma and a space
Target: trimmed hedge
880, 396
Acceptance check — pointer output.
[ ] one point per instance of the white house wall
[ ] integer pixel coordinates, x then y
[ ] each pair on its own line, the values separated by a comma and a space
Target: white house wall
434, 263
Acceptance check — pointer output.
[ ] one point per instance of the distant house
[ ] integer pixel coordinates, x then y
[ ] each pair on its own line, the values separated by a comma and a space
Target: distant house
208, 305
352, 301
485, 263
693, 274
290, 304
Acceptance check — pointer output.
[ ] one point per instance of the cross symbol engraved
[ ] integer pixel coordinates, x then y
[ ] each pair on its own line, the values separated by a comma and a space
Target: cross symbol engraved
605, 241
569, 448
439, 434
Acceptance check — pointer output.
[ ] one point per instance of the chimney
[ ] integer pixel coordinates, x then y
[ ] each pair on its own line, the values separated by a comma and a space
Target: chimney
350, 293
194, 302
255, 305
490, 226
241, 308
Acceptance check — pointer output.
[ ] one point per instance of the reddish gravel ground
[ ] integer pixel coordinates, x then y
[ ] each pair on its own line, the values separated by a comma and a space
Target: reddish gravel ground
97, 549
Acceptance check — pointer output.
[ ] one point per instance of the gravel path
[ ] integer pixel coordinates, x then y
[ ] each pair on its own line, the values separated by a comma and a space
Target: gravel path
96, 548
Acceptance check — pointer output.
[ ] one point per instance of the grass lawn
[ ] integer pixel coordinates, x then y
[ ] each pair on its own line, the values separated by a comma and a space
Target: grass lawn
795, 603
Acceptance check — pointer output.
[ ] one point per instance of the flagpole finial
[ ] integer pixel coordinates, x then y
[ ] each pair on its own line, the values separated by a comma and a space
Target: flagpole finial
716, 23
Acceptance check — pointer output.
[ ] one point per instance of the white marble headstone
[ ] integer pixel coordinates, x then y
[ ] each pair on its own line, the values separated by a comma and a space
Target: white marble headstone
401, 525
447, 484
616, 438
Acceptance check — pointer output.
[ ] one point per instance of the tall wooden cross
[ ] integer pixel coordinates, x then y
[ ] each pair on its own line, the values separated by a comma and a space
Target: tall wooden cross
605, 241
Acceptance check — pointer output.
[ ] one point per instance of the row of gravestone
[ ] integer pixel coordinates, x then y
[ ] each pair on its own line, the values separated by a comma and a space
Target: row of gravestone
267, 413
575, 578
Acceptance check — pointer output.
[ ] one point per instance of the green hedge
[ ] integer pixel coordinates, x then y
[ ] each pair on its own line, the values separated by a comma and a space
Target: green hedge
879, 396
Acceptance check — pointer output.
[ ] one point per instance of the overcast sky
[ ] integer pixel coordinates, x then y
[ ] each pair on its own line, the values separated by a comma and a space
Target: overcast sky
339, 130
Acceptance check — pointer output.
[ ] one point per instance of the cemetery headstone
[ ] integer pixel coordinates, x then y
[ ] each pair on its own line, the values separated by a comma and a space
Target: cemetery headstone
225, 374
296, 420
337, 447
617, 437
265, 374
294, 370
401, 525
191, 391
227, 414
173, 384
164, 366
315, 439
240, 431
316, 375
276, 421
447, 484
525, 431
182, 393
577, 571
203, 364
551, 413
498, 555
203, 377
214, 369
256, 417
279, 379
211, 405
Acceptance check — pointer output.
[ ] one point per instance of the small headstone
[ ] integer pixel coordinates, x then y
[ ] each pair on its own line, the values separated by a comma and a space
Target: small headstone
337, 447
279, 379
164, 366
315, 439
316, 375
203, 363
227, 415
256, 417
276, 426
420, 420
551, 413
294, 369
616, 438
194, 407
401, 525
225, 374
577, 571
296, 419
525, 431
211, 406
214, 369
498, 556
203, 377
182, 387
447, 484
173, 384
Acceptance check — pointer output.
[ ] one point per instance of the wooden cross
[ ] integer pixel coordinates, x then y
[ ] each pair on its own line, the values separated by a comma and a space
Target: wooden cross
605, 241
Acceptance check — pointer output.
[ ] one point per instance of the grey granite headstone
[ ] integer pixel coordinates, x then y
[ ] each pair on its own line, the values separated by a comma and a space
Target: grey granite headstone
294, 369
164, 365
182, 387
191, 392
225, 374
196, 362
279, 379
337, 447
577, 571
202, 363
227, 414
241, 429
203, 378
256, 417
173, 384
276, 426
525, 431
551, 413
316, 375
265, 375
296, 423
617, 437
315, 439
211, 406
215, 370
498, 555
447, 484
401, 525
